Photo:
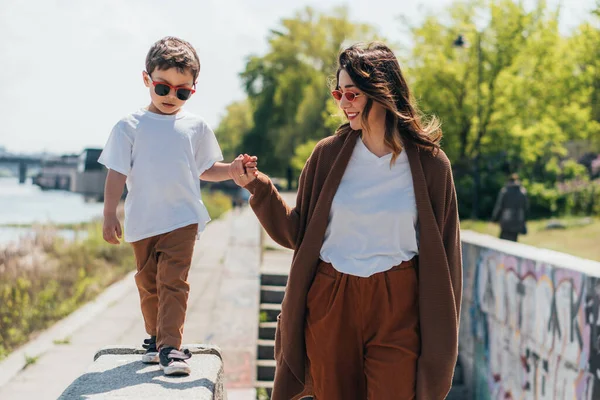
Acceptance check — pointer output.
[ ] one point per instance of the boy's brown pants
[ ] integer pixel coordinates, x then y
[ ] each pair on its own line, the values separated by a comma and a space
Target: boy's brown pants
163, 263
362, 334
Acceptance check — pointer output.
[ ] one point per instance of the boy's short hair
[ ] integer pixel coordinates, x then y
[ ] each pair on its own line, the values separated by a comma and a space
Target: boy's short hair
172, 52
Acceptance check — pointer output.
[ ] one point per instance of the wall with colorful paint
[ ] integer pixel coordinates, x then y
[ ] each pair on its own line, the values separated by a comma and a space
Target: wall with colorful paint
530, 322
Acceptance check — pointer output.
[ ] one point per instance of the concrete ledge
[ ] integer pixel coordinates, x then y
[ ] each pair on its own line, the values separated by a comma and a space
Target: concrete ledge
545, 256
529, 322
118, 373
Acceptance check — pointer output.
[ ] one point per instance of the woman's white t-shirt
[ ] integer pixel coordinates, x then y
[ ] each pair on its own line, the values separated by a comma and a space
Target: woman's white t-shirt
163, 157
373, 218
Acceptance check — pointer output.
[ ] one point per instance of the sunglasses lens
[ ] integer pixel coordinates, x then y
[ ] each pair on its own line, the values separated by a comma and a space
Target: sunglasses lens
161, 90
183, 94
350, 96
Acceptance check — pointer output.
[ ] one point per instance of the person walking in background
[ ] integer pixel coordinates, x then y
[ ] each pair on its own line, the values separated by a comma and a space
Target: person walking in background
511, 209
162, 152
372, 304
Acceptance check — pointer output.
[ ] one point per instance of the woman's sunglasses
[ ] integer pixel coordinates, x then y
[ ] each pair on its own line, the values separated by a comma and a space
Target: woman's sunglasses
162, 89
350, 96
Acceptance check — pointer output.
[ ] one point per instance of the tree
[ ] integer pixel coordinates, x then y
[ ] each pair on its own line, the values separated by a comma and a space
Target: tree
236, 122
288, 87
508, 102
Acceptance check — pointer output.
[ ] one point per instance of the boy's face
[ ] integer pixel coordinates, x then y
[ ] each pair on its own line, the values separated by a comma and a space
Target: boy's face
169, 104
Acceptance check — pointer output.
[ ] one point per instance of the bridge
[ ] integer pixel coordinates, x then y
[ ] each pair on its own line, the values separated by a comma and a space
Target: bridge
22, 163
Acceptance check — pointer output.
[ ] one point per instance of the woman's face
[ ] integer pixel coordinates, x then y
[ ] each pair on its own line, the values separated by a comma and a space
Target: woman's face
354, 109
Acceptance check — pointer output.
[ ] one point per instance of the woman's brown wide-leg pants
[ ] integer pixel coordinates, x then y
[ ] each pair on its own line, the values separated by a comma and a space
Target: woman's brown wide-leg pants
163, 262
362, 334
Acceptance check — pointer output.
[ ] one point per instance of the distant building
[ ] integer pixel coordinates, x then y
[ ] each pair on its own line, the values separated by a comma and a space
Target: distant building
91, 175
79, 173
57, 173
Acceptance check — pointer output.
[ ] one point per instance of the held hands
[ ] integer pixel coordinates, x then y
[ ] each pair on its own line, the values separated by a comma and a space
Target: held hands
111, 229
243, 169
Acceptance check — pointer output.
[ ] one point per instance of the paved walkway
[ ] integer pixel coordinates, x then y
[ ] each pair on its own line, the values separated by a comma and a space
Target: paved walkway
223, 310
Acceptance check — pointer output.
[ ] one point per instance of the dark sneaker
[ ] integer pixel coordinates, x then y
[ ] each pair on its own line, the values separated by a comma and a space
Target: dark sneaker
172, 361
151, 355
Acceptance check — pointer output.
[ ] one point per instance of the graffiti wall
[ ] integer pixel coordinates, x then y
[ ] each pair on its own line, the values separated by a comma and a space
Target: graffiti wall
530, 327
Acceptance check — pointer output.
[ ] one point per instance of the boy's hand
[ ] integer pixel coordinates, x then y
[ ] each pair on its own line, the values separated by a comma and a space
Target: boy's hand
111, 229
243, 169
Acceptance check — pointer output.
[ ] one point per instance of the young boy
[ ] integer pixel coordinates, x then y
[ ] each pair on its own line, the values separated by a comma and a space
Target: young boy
161, 152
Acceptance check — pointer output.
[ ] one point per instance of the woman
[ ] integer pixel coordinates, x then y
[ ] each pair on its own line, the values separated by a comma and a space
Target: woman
373, 298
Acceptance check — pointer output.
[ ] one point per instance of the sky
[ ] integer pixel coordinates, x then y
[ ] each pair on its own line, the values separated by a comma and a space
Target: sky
70, 69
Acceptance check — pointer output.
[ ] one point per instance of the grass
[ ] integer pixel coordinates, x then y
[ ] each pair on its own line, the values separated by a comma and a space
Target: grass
70, 226
580, 237
261, 394
217, 203
262, 317
44, 278
66, 340
29, 360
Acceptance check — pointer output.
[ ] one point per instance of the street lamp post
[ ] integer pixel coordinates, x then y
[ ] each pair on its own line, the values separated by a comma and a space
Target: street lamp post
461, 43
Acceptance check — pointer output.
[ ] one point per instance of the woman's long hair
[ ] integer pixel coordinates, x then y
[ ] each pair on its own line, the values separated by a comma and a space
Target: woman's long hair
375, 70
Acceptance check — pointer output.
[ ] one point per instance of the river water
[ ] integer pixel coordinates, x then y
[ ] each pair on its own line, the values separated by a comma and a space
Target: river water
28, 204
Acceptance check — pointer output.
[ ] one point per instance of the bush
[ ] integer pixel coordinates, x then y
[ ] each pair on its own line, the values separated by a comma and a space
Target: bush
217, 203
574, 197
580, 197
46, 279
301, 154
543, 201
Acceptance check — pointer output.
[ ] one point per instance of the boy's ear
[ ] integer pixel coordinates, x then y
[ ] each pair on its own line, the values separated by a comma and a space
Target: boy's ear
146, 79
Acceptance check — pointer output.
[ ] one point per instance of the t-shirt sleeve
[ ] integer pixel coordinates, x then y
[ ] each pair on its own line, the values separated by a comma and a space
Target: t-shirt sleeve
117, 152
207, 151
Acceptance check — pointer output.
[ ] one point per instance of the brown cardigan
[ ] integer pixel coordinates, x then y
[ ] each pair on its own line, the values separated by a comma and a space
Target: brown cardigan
302, 228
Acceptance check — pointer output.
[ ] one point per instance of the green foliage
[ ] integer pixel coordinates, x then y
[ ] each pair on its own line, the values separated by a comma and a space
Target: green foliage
543, 201
35, 295
237, 121
71, 274
63, 341
30, 360
301, 155
572, 170
217, 203
287, 87
514, 98
517, 94
578, 237
262, 394
263, 316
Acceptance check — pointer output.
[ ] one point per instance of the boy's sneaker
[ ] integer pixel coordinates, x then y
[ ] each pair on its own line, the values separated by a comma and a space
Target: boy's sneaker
151, 355
172, 361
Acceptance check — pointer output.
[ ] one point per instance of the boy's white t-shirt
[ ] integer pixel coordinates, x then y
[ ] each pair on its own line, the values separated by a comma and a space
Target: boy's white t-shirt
163, 157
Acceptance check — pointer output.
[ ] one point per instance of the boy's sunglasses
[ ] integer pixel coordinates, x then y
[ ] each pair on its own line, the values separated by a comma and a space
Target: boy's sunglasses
350, 96
163, 89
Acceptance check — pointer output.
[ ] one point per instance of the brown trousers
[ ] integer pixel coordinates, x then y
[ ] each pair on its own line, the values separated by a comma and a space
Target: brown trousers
362, 334
163, 263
